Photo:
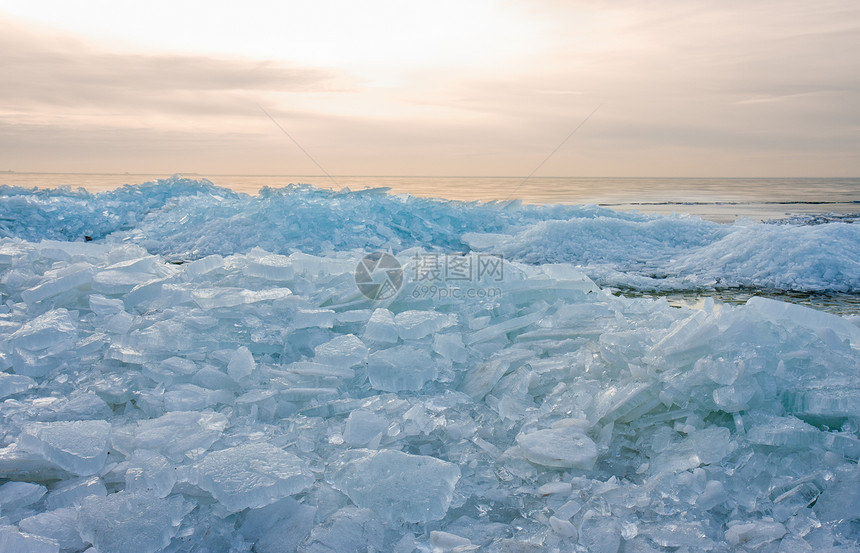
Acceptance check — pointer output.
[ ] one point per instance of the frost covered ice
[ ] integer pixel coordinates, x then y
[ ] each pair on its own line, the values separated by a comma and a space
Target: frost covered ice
206, 376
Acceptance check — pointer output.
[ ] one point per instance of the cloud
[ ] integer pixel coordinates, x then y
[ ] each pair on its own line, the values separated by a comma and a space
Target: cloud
46, 73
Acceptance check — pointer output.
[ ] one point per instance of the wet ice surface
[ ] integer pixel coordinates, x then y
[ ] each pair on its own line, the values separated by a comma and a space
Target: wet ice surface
254, 400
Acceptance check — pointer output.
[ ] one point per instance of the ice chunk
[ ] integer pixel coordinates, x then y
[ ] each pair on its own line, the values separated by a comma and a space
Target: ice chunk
566, 447
23, 465
450, 346
364, 427
14, 495
400, 368
414, 325
71, 492
252, 475
35, 346
66, 280
384, 481
149, 472
241, 364
59, 525
348, 529
343, 351
444, 542
79, 447
293, 523
14, 383
754, 534
214, 298
381, 327
127, 521
563, 527
12, 540
173, 435
713, 494
783, 431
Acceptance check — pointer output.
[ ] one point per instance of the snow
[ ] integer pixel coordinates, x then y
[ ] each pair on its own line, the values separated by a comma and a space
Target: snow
205, 375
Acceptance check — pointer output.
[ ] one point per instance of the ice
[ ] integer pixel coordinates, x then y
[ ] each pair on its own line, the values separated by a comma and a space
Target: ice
11, 384
127, 521
251, 475
381, 327
566, 447
364, 427
241, 364
205, 375
80, 447
71, 492
344, 352
59, 525
385, 482
414, 325
148, 471
14, 495
400, 368
754, 534
20, 542
174, 435
35, 348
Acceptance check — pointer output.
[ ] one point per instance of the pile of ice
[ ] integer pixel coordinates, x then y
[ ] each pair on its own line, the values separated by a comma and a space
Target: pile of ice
184, 220
259, 402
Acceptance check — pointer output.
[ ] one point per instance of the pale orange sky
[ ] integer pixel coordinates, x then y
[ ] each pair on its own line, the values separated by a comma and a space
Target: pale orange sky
701, 88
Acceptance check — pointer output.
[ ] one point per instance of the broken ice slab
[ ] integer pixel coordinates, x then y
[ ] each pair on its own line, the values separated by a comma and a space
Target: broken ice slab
752, 535
790, 315
381, 327
828, 402
783, 431
15, 541
308, 368
22, 465
65, 280
269, 266
414, 325
35, 346
128, 521
343, 351
401, 368
363, 427
11, 384
149, 471
493, 331
565, 447
79, 447
251, 475
174, 435
241, 364
451, 347
214, 298
14, 495
397, 486
480, 379
71, 492
59, 525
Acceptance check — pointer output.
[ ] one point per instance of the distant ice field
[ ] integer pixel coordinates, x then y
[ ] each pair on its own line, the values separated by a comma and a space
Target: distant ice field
188, 368
184, 219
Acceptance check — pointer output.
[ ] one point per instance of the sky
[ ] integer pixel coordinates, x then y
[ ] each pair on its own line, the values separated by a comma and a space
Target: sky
701, 88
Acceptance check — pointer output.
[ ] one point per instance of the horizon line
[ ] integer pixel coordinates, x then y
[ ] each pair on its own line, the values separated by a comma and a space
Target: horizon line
271, 175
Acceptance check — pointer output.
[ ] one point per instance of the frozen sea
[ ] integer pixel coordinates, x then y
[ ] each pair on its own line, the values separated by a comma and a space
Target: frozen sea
237, 365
